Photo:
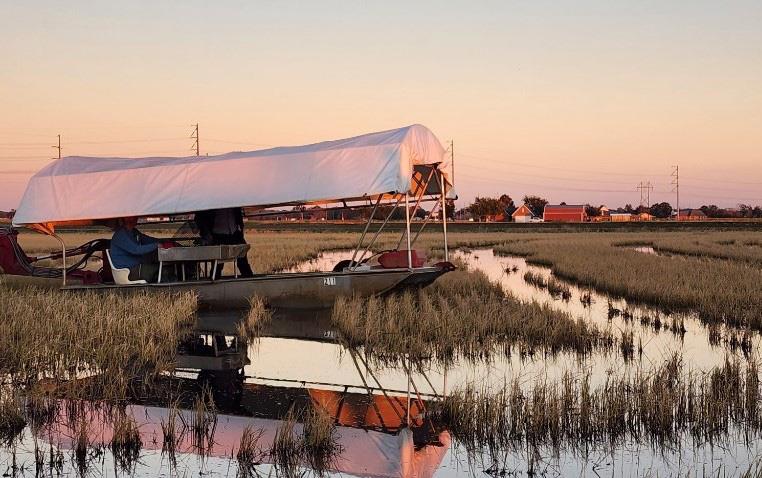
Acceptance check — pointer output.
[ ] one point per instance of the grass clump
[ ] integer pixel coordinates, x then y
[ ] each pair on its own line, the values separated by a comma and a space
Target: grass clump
110, 339
126, 442
249, 453
286, 450
316, 446
462, 314
661, 408
255, 321
320, 440
12, 422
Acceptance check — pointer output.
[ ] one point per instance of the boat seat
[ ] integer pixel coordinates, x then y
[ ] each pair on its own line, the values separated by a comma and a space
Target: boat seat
121, 276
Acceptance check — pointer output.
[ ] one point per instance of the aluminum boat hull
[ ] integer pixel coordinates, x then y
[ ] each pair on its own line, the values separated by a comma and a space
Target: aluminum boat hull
290, 290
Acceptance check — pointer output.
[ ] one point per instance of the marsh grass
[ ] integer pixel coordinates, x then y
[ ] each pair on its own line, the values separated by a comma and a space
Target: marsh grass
320, 439
125, 442
718, 291
12, 422
255, 320
172, 431
286, 449
463, 314
316, 446
203, 424
250, 454
110, 339
556, 288
661, 408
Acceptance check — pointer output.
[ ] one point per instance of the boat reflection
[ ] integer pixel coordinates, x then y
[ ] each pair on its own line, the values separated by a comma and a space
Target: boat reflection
378, 431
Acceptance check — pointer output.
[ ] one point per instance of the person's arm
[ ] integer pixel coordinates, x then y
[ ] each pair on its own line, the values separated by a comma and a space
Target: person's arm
146, 239
123, 240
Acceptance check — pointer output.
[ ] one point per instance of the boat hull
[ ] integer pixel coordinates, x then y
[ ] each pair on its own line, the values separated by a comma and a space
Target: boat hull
290, 290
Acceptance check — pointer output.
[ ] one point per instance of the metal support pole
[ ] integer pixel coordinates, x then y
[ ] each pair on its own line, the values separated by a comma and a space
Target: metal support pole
407, 231
409, 379
63, 256
365, 231
444, 214
375, 236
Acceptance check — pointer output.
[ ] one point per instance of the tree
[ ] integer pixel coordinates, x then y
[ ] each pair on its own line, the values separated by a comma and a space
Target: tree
592, 211
536, 204
662, 210
450, 208
628, 208
483, 207
714, 211
508, 206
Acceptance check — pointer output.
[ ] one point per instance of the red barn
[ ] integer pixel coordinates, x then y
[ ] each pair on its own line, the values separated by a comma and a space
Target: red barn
564, 213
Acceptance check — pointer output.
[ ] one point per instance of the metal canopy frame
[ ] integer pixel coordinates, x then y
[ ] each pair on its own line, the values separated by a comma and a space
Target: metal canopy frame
440, 199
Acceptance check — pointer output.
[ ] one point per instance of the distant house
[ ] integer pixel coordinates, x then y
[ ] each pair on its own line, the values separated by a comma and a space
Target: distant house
564, 213
620, 217
692, 215
644, 216
523, 214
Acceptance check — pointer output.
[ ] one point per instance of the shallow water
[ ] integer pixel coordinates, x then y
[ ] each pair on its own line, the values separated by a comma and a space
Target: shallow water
298, 360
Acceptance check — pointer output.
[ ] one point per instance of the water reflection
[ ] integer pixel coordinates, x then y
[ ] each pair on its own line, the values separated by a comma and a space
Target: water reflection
380, 413
379, 430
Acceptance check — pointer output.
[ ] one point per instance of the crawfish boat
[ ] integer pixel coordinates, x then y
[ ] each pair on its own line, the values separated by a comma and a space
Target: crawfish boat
381, 171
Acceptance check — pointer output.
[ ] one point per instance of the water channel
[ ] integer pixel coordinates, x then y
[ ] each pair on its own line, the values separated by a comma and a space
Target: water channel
298, 360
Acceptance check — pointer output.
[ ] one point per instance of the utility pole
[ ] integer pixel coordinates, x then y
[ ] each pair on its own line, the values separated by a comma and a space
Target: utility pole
452, 160
58, 147
645, 193
194, 136
676, 187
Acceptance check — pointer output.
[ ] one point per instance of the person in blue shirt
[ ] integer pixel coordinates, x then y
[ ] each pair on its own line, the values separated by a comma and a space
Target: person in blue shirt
133, 250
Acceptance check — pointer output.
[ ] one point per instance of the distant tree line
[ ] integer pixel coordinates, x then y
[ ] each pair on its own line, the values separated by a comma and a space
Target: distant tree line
501, 208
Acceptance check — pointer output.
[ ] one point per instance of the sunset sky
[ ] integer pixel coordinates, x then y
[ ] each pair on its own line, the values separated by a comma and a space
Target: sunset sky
576, 101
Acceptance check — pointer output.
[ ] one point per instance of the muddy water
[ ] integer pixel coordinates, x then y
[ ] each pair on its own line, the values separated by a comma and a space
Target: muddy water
299, 359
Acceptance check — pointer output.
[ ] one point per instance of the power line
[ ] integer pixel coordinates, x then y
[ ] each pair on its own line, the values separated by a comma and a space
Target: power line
645, 193
545, 167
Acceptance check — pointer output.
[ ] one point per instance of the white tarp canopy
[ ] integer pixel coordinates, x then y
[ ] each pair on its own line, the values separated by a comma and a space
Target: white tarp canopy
84, 188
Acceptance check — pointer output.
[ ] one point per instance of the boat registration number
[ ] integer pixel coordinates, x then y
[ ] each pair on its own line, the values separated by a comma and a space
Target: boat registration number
329, 281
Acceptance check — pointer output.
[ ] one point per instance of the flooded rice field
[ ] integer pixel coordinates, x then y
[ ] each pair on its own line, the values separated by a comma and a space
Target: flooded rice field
296, 400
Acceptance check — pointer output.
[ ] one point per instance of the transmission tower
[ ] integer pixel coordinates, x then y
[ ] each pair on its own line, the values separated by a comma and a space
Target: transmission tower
58, 147
645, 193
676, 187
194, 136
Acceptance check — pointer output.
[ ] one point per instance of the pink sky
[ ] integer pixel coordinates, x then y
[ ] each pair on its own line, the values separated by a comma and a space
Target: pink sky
575, 101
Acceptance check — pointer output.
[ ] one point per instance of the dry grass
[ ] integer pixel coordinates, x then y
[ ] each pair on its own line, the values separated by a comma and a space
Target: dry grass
126, 442
320, 439
12, 421
249, 453
111, 338
256, 319
286, 450
661, 408
316, 447
463, 314
719, 291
